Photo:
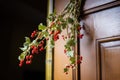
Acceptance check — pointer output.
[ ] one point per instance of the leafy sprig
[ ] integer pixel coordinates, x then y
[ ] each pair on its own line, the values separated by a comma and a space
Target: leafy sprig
67, 19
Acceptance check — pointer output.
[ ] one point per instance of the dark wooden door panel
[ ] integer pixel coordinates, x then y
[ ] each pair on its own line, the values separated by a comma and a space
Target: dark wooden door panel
98, 25
108, 58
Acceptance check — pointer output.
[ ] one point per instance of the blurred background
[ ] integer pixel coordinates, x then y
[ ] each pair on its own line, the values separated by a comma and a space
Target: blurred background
18, 18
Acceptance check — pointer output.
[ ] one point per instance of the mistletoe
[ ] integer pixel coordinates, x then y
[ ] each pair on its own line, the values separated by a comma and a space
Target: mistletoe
66, 20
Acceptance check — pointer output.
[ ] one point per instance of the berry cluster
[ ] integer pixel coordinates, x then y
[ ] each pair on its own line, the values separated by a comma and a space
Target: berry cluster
79, 60
56, 36
33, 34
67, 20
34, 49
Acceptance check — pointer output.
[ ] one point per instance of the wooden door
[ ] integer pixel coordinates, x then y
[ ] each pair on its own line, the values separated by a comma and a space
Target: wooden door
100, 46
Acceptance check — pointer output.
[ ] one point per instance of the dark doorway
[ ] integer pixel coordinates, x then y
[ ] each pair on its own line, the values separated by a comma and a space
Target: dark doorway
18, 18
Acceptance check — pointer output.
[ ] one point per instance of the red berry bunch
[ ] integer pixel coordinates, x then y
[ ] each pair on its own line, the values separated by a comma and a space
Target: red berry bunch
34, 49
79, 60
29, 59
21, 63
33, 34
56, 35
41, 48
80, 36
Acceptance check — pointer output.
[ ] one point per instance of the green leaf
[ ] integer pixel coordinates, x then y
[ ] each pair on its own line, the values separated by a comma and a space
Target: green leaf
53, 27
67, 47
70, 20
63, 25
23, 48
65, 69
45, 33
51, 16
41, 27
22, 56
35, 42
70, 53
52, 43
71, 42
72, 59
27, 41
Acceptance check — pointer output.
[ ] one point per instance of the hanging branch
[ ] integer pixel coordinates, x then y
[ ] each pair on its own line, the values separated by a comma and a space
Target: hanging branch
67, 19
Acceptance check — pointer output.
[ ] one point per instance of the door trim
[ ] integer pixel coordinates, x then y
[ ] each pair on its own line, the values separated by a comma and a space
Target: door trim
98, 55
102, 7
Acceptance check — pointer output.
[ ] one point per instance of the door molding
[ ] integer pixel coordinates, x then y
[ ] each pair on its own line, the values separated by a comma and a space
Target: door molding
102, 7
98, 54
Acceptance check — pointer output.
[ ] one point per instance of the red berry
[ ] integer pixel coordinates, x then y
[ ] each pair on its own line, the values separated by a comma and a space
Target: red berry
56, 37
40, 45
80, 36
20, 64
66, 72
27, 57
67, 66
42, 42
41, 49
33, 51
33, 34
32, 47
78, 61
65, 51
81, 57
28, 62
31, 56
21, 61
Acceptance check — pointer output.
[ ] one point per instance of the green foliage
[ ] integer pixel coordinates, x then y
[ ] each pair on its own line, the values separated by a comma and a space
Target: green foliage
67, 20
41, 27
52, 43
70, 20
65, 69
24, 48
52, 16
27, 41
22, 56
26, 44
70, 53
71, 42
72, 60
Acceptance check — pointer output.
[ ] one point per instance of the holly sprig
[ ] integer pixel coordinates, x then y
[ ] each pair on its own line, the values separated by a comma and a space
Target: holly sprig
66, 20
